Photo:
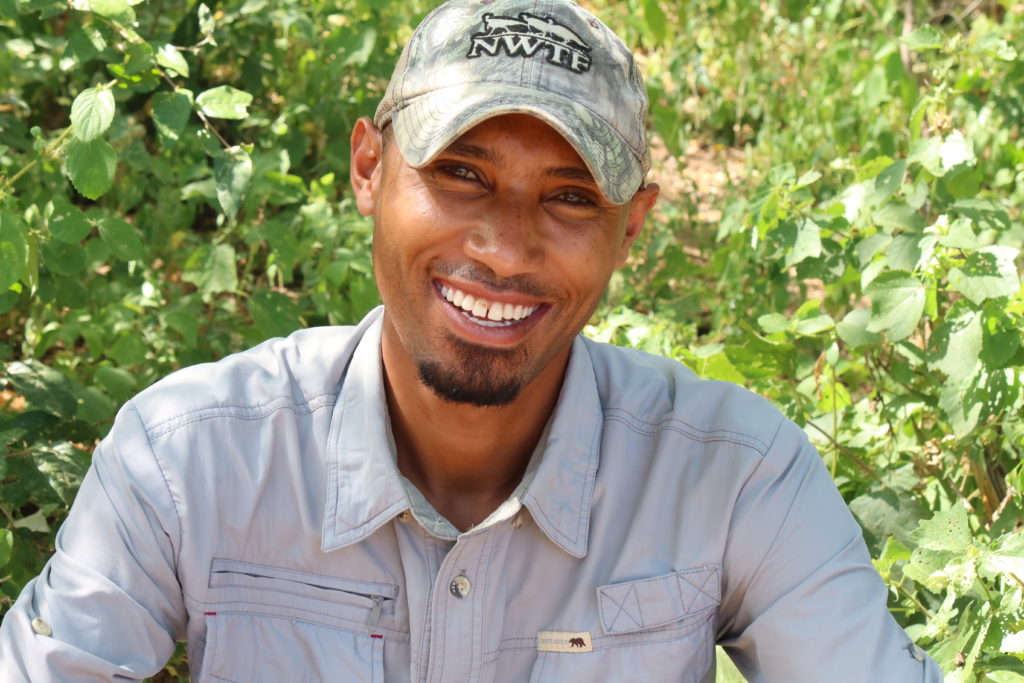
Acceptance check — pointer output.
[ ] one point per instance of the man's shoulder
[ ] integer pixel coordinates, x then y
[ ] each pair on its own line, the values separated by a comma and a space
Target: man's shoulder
657, 393
299, 372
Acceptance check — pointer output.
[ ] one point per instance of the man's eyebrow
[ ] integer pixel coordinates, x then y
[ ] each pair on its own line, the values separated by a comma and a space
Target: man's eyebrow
579, 173
471, 151
465, 149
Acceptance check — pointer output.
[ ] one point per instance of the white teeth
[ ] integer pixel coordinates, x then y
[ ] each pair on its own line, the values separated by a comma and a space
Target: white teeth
498, 312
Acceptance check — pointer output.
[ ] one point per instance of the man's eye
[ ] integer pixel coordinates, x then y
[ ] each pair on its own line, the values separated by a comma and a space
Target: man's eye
463, 172
576, 198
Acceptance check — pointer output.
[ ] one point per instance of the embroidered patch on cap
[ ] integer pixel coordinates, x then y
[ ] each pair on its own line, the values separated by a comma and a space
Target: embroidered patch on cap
525, 36
563, 641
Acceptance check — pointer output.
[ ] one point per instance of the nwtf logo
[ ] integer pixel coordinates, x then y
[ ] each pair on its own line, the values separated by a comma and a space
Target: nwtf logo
527, 35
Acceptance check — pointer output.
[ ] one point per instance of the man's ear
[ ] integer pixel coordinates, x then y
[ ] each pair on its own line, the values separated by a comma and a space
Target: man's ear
641, 204
365, 165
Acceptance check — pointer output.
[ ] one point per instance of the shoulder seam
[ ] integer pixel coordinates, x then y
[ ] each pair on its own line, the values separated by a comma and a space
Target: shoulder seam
256, 411
647, 428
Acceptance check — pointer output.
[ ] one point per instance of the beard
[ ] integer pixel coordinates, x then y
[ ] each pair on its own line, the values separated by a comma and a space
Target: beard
480, 376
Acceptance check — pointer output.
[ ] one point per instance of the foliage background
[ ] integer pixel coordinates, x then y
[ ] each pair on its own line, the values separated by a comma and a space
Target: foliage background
841, 232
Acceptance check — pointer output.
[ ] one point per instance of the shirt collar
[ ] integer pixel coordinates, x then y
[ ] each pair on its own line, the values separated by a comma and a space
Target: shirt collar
365, 489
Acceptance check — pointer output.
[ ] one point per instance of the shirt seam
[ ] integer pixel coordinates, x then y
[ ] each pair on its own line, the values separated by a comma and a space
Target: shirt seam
167, 486
258, 411
645, 428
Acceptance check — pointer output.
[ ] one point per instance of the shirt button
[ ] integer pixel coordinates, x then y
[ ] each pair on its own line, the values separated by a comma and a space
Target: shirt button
41, 627
405, 516
460, 586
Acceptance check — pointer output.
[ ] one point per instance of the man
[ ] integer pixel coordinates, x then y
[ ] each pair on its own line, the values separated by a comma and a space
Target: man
462, 488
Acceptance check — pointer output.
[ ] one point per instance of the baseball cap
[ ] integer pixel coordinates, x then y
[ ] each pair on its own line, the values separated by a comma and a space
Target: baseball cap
470, 60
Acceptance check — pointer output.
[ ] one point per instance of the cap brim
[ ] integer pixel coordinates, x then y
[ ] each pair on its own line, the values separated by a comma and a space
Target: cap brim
429, 123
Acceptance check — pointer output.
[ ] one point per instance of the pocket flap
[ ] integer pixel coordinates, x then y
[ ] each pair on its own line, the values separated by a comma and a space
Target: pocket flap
649, 603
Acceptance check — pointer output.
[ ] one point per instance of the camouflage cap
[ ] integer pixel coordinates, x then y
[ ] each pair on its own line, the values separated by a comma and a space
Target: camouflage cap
470, 60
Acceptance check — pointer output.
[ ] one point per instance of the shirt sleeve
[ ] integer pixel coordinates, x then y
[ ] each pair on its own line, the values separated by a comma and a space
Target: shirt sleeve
108, 604
801, 599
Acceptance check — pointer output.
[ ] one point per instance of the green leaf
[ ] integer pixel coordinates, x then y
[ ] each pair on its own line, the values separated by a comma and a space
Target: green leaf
960, 235
63, 258
987, 274
67, 222
923, 38
232, 172
810, 327
206, 22
898, 216
118, 382
367, 40
170, 114
35, 522
92, 113
803, 239
215, 272
122, 239
656, 20
926, 152
91, 166
897, 302
43, 387
853, 329
274, 313
955, 345
118, 11
224, 102
171, 58
6, 546
13, 249
888, 513
64, 467
947, 530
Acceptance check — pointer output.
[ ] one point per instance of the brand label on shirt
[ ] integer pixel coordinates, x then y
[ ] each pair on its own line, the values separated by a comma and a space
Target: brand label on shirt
563, 641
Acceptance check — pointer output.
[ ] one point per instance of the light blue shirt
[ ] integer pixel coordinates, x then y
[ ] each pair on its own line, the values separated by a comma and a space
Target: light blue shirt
253, 508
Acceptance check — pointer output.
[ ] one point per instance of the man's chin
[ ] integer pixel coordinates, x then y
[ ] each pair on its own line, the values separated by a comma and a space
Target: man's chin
467, 388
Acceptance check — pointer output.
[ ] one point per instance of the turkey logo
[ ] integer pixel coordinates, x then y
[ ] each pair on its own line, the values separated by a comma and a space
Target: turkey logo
526, 35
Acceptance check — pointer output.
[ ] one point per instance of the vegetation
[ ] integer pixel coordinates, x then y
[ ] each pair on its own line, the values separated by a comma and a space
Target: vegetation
842, 234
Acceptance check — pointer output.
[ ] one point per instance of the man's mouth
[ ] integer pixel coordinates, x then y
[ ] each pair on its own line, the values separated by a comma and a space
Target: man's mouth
486, 312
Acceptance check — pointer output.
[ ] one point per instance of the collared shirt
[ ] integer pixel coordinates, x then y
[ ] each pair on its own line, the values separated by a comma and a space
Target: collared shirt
253, 508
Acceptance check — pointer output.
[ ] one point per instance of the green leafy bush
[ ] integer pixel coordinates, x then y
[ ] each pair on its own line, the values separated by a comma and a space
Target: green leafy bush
173, 188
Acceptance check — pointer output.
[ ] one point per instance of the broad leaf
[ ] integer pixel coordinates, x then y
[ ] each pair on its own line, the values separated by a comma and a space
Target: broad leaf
232, 171
955, 346
67, 222
171, 58
897, 302
92, 112
171, 111
275, 314
215, 271
91, 166
43, 387
6, 546
64, 467
988, 273
947, 530
122, 239
13, 249
224, 102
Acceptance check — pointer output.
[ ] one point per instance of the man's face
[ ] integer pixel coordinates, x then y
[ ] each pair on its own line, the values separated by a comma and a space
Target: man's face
493, 257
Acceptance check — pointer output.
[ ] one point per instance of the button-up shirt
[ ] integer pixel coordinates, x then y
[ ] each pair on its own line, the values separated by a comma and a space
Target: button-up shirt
252, 507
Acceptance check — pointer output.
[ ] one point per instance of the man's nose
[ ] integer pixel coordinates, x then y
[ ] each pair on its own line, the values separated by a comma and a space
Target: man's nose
507, 239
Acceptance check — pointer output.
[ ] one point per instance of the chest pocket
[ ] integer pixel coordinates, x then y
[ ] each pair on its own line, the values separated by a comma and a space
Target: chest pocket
656, 629
275, 624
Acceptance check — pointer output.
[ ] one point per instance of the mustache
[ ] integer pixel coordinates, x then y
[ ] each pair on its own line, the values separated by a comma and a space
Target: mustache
480, 274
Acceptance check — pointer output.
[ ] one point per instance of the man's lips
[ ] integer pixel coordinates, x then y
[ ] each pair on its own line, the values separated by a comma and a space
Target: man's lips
487, 311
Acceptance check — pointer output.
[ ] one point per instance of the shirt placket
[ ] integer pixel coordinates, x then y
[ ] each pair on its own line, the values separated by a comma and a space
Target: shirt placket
457, 612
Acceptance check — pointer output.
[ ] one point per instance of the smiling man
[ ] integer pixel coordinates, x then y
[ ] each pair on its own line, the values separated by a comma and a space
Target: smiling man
461, 487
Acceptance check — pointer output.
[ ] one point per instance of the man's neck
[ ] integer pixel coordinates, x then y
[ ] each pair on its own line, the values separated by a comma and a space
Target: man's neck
465, 460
